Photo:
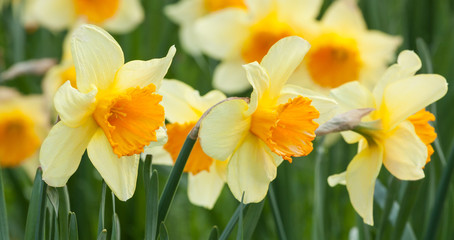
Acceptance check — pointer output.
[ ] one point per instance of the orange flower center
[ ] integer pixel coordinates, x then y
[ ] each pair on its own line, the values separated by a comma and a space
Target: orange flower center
198, 160
263, 36
333, 60
289, 129
18, 138
69, 74
216, 5
130, 119
424, 130
96, 11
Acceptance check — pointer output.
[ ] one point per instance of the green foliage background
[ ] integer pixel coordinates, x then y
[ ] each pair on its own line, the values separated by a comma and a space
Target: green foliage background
310, 209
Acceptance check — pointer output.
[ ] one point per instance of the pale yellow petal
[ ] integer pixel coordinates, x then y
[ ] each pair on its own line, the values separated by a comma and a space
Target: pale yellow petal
259, 8
360, 177
62, 151
143, 73
230, 77
405, 154
120, 174
405, 97
258, 78
74, 107
337, 179
128, 16
205, 187
97, 57
222, 34
184, 12
353, 95
351, 137
344, 15
326, 106
160, 156
281, 61
295, 10
55, 15
250, 170
224, 128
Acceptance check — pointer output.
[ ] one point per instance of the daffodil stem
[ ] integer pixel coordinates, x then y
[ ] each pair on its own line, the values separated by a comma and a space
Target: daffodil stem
440, 198
35, 216
175, 176
63, 211
231, 224
102, 208
392, 188
276, 214
4, 232
319, 195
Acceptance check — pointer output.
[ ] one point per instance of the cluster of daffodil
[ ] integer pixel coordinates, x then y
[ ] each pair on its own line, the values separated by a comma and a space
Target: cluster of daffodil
302, 71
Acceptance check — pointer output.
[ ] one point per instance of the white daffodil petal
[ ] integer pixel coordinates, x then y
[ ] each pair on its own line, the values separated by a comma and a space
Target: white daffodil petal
143, 73
72, 106
353, 95
337, 179
160, 155
62, 151
120, 174
222, 34
405, 97
345, 15
230, 77
360, 177
129, 15
54, 14
224, 128
282, 59
97, 57
250, 170
205, 187
326, 106
405, 154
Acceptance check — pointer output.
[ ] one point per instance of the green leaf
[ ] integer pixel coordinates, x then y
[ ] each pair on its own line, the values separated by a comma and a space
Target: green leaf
253, 212
231, 224
63, 212
214, 234
174, 179
73, 231
407, 203
52, 196
390, 196
163, 234
102, 207
102, 235
116, 234
4, 231
239, 235
34, 227
152, 198
276, 214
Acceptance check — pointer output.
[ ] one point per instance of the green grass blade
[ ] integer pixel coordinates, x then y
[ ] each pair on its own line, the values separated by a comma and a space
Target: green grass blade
102, 235
116, 233
102, 208
276, 214
390, 195
406, 206
253, 212
239, 235
73, 231
163, 234
152, 198
63, 212
231, 224
440, 198
4, 231
174, 179
214, 234
35, 216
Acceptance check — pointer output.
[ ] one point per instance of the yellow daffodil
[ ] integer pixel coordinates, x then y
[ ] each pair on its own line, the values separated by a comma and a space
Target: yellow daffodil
117, 16
278, 122
343, 44
237, 36
24, 124
186, 12
114, 113
395, 134
184, 106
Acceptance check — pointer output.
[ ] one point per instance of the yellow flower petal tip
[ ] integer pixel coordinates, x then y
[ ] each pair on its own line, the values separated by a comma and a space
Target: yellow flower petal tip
114, 112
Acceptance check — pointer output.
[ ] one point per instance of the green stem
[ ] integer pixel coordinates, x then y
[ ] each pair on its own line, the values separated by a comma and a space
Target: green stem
392, 187
102, 209
175, 176
440, 198
63, 211
406, 206
4, 234
276, 214
231, 224
319, 196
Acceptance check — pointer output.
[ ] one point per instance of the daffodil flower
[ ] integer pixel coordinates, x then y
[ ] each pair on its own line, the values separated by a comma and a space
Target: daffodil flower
184, 106
185, 13
114, 113
24, 123
278, 122
395, 134
343, 44
237, 36
117, 16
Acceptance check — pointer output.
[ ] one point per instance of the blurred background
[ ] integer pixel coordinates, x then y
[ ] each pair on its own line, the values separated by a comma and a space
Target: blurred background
310, 209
